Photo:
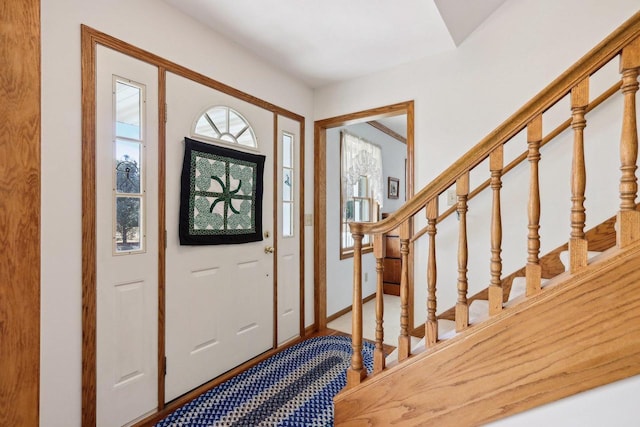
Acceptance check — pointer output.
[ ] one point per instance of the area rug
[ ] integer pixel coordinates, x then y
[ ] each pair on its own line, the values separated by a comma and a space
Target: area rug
292, 388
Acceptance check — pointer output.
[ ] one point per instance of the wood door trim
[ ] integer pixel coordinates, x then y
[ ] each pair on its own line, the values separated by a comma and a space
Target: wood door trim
88, 56
162, 232
320, 195
90, 39
275, 230
20, 213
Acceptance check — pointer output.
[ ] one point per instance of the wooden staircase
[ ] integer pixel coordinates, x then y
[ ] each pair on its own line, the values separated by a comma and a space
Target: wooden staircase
577, 330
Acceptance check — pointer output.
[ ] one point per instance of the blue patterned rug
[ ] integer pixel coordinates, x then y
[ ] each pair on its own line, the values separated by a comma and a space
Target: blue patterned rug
292, 388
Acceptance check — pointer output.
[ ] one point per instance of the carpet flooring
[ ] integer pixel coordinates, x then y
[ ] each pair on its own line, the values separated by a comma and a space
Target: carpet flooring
294, 388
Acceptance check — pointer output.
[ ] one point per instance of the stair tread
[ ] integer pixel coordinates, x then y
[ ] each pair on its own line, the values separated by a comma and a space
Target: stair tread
564, 257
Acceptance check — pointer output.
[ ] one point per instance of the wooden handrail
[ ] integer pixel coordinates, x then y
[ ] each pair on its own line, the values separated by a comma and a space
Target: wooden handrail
624, 41
515, 162
550, 95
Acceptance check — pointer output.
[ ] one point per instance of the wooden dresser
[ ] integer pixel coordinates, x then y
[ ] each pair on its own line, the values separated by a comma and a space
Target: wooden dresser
392, 263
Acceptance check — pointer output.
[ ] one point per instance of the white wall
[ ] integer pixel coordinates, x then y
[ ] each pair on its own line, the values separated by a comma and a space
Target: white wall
462, 95
158, 28
615, 404
340, 272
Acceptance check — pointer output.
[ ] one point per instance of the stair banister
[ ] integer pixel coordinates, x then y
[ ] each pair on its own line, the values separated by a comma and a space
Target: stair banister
624, 39
628, 218
431, 325
577, 242
462, 305
496, 293
534, 270
515, 162
379, 250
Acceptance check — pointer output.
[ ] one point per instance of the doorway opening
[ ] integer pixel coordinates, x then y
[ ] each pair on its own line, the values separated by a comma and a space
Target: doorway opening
327, 252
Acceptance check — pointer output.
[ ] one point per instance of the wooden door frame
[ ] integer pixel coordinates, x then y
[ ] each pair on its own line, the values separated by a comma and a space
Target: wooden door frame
320, 196
20, 213
90, 39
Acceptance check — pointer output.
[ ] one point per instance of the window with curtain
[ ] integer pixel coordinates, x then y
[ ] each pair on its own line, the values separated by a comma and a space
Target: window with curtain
362, 187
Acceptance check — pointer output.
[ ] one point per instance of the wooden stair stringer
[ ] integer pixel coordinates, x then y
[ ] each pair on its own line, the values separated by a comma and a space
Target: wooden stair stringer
581, 332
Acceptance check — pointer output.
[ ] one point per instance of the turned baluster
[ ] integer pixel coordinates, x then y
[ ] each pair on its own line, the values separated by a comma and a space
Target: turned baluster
404, 341
357, 371
379, 251
577, 242
496, 295
462, 306
628, 217
533, 269
431, 325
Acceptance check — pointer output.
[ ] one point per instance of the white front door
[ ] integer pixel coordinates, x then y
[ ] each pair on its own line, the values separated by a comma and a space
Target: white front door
220, 298
127, 238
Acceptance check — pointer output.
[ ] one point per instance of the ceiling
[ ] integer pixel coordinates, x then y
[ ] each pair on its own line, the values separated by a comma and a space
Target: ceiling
326, 41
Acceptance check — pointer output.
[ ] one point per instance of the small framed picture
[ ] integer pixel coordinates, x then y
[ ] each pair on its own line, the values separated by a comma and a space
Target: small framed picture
393, 188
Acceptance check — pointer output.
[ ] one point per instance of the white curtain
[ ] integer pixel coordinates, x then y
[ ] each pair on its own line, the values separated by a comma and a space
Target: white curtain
361, 158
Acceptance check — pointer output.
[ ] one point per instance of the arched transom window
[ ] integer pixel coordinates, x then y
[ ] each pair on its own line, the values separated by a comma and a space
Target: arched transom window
225, 124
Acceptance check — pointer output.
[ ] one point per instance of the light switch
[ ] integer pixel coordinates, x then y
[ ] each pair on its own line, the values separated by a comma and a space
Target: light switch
308, 220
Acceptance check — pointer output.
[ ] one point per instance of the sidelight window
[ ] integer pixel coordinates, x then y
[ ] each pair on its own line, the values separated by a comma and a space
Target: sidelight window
288, 185
128, 172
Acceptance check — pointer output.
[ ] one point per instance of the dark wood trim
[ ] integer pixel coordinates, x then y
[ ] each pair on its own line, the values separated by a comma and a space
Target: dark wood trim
320, 226
162, 234
384, 129
303, 230
349, 308
320, 195
88, 55
310, 330
275, 234
410, 191
90, 38
20, 213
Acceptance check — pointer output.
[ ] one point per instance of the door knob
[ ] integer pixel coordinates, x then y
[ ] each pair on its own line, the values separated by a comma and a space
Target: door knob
268, 249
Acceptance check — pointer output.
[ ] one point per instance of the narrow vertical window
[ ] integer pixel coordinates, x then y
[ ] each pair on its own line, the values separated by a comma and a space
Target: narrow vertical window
128, 171
361, 188
287, 185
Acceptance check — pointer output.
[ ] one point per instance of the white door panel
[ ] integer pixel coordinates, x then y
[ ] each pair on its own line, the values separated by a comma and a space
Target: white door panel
127, 284
288, 254
219, 299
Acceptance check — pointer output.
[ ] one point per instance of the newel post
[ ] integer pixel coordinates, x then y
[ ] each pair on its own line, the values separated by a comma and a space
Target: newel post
357, 371
628, 217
